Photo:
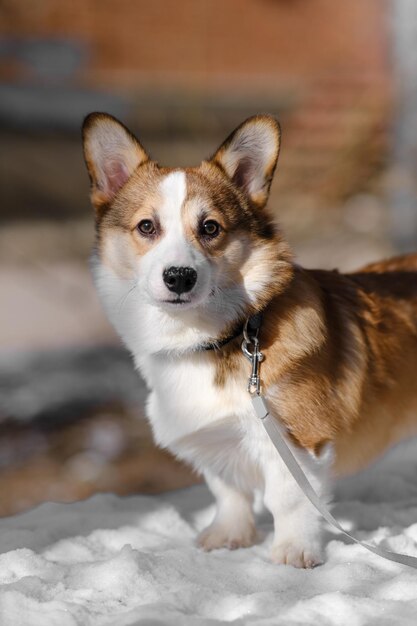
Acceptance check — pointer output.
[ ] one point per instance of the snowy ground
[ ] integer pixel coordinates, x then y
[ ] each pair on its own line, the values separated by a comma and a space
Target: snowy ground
118, 561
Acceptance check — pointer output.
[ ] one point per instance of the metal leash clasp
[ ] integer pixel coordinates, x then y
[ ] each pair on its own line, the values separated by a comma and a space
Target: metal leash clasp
255, 357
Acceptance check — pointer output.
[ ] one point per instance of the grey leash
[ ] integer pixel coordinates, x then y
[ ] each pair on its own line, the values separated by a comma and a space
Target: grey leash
274, 432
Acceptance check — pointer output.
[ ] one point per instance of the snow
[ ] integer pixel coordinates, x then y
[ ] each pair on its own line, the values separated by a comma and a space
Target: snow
132, 561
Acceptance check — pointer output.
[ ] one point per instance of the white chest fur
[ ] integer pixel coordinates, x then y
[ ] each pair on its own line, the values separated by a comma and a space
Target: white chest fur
185, 397
214, 428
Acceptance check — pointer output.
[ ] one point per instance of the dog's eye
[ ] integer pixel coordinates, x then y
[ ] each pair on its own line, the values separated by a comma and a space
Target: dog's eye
146, 227
211, 228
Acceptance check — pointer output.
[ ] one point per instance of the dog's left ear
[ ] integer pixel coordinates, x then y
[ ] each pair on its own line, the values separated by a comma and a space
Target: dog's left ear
249, 156
111, 154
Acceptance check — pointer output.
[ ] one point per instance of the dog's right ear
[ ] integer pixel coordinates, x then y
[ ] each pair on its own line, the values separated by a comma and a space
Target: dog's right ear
112, 154
249, 156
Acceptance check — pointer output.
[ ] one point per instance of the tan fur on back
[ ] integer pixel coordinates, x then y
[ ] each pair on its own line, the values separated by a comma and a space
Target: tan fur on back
342, 350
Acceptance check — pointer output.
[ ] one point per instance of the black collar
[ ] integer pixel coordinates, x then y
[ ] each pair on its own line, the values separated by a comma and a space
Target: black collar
253, 324
219, 343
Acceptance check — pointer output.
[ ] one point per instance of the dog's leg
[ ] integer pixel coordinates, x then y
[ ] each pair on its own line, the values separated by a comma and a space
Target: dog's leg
298, 526
233, 525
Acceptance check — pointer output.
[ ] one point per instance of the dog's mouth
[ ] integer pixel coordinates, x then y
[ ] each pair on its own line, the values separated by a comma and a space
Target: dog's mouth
177, 301
187, 300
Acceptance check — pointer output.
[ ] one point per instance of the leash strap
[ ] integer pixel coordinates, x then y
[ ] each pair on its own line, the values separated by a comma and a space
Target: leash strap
274, 432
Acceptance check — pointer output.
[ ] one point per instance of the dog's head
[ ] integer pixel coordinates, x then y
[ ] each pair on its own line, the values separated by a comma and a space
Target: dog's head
193, 243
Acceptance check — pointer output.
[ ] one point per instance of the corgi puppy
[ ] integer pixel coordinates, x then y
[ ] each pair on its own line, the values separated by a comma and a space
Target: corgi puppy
183, 257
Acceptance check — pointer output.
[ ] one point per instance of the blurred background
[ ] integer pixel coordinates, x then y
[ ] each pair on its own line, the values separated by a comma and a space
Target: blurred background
341, 78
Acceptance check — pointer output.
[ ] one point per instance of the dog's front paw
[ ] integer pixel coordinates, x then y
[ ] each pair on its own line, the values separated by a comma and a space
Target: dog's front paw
218, 536
296, 554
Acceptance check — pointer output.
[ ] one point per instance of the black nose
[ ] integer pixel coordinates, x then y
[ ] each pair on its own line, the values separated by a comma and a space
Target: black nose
180, 279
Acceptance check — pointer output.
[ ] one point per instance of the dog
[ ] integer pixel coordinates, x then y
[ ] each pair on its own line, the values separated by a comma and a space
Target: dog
183, 257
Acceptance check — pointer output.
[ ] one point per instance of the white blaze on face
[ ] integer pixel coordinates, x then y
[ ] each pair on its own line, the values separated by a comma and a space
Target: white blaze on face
173, 190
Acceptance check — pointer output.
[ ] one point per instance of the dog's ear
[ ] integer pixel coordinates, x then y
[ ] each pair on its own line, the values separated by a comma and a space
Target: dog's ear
112, 154
249, 156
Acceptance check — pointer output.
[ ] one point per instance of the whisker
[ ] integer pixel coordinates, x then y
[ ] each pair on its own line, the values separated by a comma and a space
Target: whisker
125, 297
